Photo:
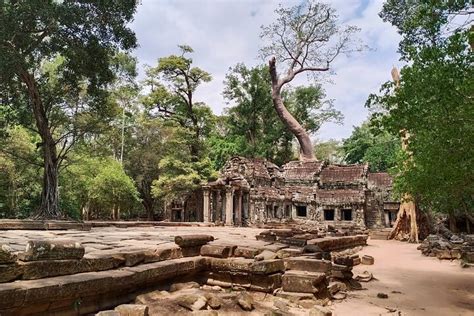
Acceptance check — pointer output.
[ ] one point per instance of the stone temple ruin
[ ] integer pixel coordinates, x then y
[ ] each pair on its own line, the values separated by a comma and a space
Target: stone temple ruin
256, 191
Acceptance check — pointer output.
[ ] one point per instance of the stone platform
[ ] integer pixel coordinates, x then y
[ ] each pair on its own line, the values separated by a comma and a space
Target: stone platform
70, 272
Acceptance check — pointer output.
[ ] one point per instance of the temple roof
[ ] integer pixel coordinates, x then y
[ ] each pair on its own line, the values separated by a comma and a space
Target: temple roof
343, 174
380, 179
302, 170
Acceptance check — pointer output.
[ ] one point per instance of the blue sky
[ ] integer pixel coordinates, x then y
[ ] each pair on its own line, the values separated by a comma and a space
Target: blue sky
226, 32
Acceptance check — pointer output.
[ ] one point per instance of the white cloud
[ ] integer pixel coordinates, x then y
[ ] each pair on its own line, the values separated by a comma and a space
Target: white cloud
225, 32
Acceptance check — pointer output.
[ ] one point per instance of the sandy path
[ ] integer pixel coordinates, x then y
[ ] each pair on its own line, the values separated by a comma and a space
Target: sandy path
428, 286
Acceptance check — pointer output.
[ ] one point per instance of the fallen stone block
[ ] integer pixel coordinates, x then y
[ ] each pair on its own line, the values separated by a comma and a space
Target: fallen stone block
192, 302
310, 265
289, 252
163, 253
51, 250
216, 251
293, 242
245, 252
266, 255
253, 282
336, 286
182, 286
151, 297
245, 301
295, 296
368, 260
7, 254
303, 282
213, 301
192, 240
365, 276
312, 249
268, 266
132, 310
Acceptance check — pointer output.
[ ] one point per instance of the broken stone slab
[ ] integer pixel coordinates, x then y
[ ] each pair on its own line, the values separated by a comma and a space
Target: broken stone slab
246, 252
289, 252
161, 253
52, 250
303, 282
295, 296
132, 310
365, 276
367, 260
192, 302
339, 243
266, 255
246, 265
312, 249
151, 297
310, 265
268, 266
253, 282
336, 286
7, 255
183, 286
213, 301
217, 251
192, 240
293, 242
349, 261
245, 301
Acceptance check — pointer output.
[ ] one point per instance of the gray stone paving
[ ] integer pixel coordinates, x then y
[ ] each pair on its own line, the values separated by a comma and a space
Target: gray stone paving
111, 239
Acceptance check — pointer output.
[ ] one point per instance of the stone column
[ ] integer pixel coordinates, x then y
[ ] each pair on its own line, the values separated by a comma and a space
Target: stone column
238, 209
229, 206
205, 206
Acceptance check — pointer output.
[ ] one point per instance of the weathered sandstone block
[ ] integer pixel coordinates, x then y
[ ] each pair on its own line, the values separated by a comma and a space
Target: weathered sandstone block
182, 286
245, 252
51, 250
7, 254
132, 310
289, 252
302, 282
310, 265
216, 251
368, 260
192, 240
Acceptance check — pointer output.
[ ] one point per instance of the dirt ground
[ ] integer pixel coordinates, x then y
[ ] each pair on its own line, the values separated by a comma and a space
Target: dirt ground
415, 284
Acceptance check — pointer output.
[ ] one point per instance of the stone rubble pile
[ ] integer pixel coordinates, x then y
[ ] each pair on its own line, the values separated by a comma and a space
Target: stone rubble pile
456, 247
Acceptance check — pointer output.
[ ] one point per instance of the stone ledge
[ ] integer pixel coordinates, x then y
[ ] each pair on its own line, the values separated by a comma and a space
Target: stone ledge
339, 243
36, 295
16, 224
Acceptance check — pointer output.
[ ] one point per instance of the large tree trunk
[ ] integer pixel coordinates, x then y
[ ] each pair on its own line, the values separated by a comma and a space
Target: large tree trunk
412, 224
49, 207
306, 146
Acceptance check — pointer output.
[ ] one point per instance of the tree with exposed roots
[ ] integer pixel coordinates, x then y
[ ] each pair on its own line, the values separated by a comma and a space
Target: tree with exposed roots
304, 39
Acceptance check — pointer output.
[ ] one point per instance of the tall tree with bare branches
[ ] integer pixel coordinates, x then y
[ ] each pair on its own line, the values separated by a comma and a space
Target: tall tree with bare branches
304, 39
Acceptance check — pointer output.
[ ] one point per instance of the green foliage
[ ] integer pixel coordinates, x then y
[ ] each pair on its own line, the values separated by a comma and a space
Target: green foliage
20, 183
180, 174
329, 151
433, 105
99, 184
377, 148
